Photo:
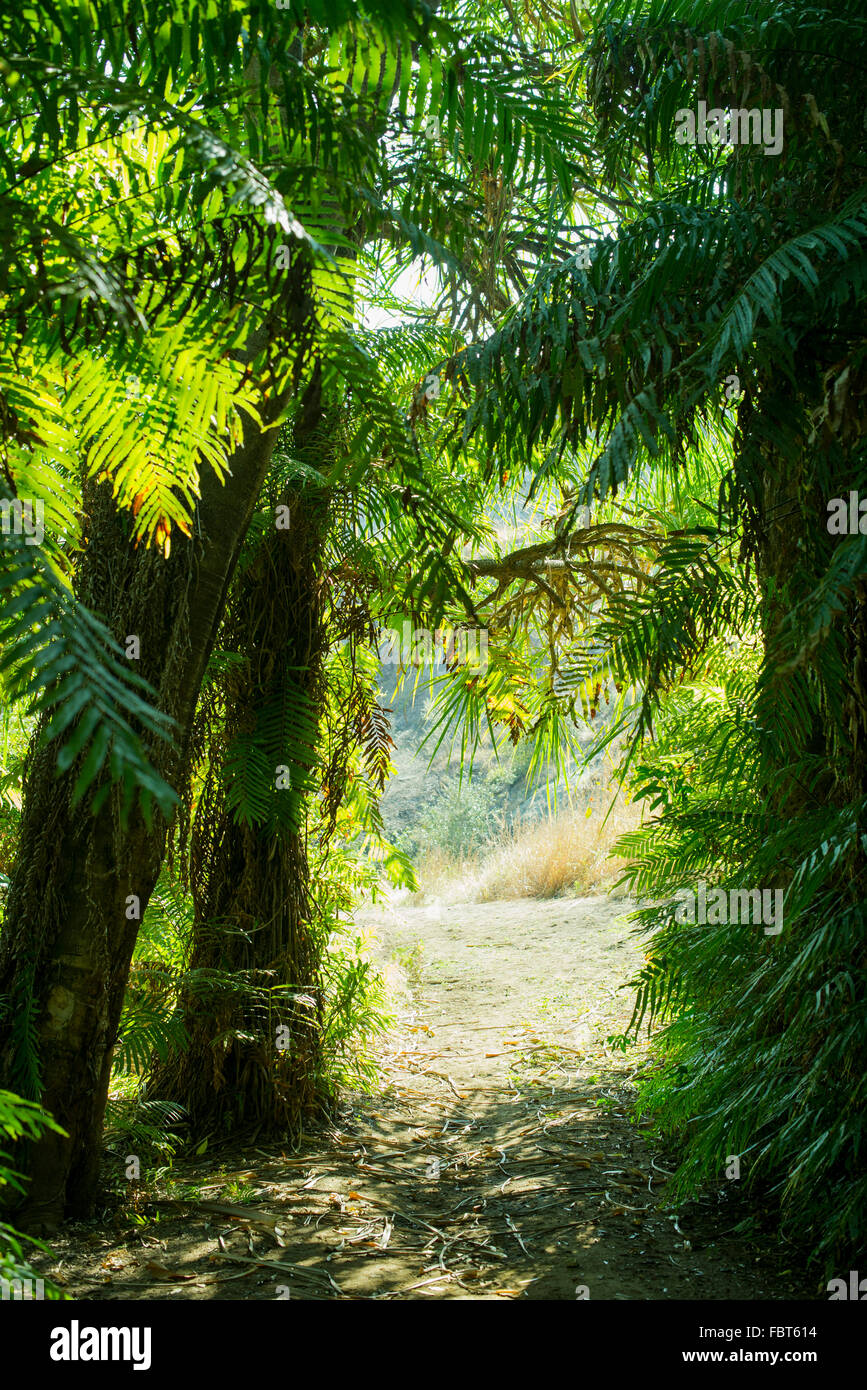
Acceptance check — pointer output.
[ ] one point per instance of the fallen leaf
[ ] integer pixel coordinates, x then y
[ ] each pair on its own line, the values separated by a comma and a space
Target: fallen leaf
172, 1276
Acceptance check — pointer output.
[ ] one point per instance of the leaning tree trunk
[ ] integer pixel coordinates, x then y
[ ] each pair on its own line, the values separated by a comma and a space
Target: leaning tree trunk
253, 1013
70, 929
253, 1055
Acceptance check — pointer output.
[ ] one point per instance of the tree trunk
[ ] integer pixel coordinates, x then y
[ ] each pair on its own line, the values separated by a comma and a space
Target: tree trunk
70, 928
254, 1057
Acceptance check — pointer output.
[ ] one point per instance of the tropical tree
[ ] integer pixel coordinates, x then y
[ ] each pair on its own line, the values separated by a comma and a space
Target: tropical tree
727, 304
183, 223
263, 115
377, 526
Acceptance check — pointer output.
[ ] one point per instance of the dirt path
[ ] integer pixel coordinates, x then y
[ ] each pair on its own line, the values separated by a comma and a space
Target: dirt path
497, 1162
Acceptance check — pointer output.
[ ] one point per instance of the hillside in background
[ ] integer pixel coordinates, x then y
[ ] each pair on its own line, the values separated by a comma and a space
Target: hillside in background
497, 831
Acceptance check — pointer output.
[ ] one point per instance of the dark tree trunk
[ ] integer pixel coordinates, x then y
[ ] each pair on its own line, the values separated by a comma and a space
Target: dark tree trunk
67, 939
254, 1058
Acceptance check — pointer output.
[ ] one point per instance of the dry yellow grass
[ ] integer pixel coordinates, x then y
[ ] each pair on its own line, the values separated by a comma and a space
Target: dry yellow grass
563, 853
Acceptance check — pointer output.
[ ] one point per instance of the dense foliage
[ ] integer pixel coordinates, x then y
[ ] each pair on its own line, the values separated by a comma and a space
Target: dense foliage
654, 348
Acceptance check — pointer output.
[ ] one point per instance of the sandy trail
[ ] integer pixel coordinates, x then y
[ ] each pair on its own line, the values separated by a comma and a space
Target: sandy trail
498, 1160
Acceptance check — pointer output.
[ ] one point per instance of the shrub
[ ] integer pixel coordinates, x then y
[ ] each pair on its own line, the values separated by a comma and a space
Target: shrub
20, 1119
561, 853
